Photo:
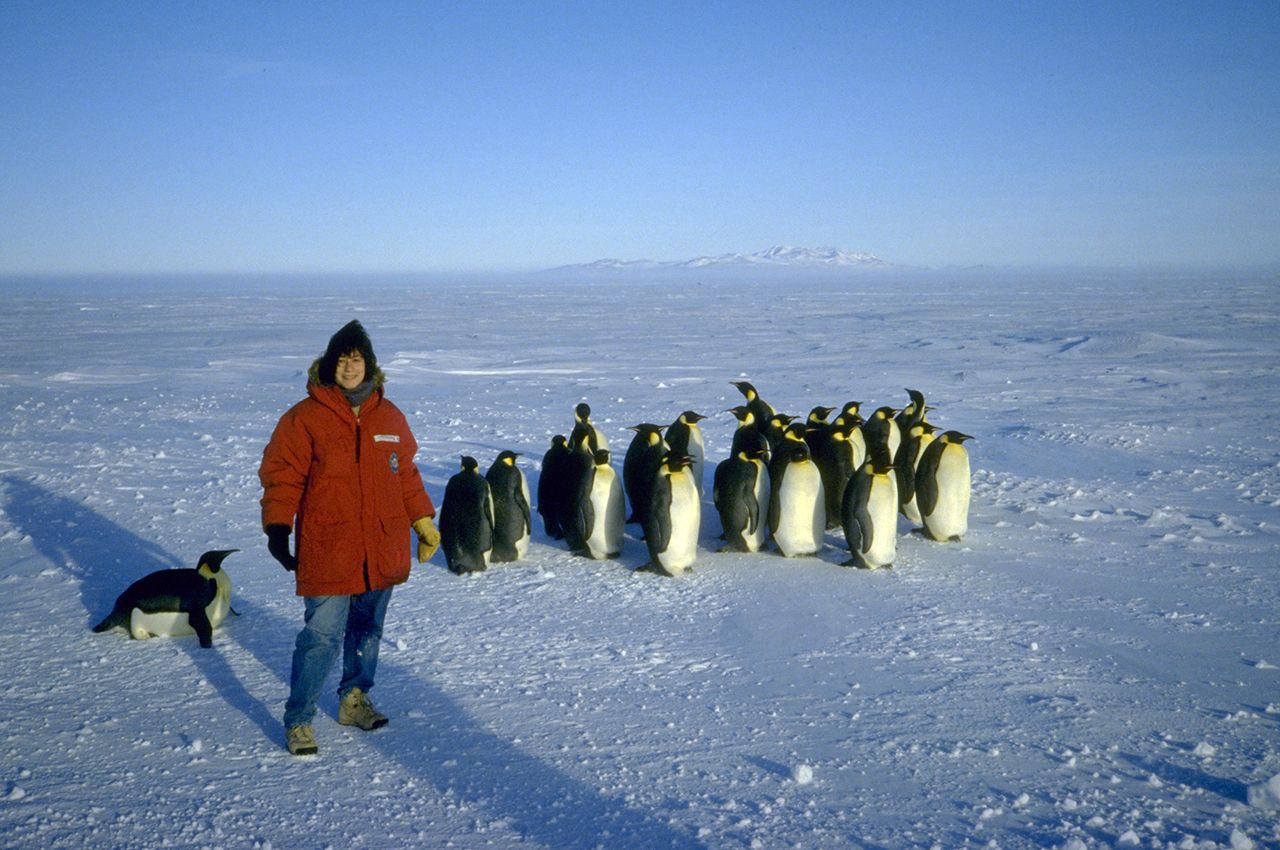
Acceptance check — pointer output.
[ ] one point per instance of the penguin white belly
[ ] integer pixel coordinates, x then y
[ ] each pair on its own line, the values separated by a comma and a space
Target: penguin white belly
522, 545
882, 506
755, 541
950, 517
686, 518
802, 515
859, 444
697, 451
176, 623
607, 505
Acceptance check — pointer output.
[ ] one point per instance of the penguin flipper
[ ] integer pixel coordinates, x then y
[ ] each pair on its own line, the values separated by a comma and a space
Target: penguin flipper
927, 479
199, 620
658, 529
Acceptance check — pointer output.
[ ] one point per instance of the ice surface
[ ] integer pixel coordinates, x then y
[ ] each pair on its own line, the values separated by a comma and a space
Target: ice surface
1093, 666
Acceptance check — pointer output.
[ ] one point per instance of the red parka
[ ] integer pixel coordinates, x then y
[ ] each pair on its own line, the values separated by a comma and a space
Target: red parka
352, 487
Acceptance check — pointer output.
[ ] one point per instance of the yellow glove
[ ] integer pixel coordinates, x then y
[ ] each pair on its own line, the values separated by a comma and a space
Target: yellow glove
428, 538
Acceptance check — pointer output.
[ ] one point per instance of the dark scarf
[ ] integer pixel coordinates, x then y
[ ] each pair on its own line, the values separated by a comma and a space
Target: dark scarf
360, 394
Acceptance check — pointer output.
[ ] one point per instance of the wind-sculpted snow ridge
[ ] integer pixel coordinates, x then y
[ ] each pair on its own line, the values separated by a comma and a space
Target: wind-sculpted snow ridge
1096, 665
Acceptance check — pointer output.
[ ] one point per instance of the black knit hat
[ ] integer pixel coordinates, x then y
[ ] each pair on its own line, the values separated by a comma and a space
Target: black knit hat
351, 337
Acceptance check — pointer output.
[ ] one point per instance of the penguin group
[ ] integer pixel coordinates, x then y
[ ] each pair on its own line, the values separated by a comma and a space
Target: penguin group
786, 481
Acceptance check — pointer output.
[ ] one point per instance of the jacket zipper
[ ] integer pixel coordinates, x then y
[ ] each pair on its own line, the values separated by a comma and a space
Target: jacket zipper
367, 586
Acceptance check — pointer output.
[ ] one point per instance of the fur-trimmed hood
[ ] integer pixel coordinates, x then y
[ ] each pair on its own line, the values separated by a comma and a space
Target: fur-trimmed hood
313, 376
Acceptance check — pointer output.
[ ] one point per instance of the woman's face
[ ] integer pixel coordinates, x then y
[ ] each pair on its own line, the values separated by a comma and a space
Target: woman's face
350, 371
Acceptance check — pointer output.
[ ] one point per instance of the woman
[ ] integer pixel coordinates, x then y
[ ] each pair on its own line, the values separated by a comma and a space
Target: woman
339, 472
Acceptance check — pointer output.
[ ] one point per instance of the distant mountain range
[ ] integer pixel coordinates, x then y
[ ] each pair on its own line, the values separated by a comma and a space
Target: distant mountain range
780, 256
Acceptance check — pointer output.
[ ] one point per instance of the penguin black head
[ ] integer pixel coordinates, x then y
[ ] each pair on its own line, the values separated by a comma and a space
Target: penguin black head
560, 441
212, 560
602, 457
351, 337
746, 389
917, 398
819, 414
796, 431
582, 412
743, 414
674, 462
691, 418
647, 429
508, 457
884, 413
954, 437
470, 464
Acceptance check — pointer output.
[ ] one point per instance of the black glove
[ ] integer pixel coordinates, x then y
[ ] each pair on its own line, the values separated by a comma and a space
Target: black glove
278, 546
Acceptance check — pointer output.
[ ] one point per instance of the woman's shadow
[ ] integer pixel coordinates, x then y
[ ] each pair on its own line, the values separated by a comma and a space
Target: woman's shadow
452, 752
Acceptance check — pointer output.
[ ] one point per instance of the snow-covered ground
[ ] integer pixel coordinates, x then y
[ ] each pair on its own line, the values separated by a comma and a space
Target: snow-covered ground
1096, 665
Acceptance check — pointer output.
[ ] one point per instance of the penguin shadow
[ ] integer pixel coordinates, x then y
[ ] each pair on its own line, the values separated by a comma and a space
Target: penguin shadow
437, 741
106, 559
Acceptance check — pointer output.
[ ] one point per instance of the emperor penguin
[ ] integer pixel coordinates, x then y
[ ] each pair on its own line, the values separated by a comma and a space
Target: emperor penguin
674, 517
553, 492
582, 423
760, 409
837, 457
882, 436
818, 424
580, 469
869, 514
747, 437
775, 430
466, 520
512, 523
914, 441
603, 510
797, 512
741, 496
639, 466
175, 602
942, 487
852, 422
913, 413
684, 436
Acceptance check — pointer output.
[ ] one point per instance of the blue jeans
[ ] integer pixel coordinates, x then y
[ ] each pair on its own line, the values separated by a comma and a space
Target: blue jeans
352, 623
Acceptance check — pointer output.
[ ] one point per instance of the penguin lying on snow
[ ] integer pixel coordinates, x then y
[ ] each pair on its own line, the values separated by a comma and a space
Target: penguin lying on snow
175, 602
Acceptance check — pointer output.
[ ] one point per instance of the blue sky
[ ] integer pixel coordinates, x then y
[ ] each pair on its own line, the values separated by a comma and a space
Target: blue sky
174, 137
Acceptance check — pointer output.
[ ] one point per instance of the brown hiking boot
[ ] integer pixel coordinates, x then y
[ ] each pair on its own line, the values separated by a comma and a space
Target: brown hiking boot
356, 710
301, 740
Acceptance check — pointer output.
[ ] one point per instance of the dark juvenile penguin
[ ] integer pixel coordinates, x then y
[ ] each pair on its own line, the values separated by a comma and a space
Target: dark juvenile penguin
553, 491
466, 520
603, 510
175, 602
512, 523
580, 470
684, 436
639, 466
797, 513
741, 495
942, 487
747, 437
673, 518
582, 423
760, 409
869, 514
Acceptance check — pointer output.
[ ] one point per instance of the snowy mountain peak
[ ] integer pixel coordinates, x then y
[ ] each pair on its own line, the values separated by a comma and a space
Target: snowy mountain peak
779, 256
786, 255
